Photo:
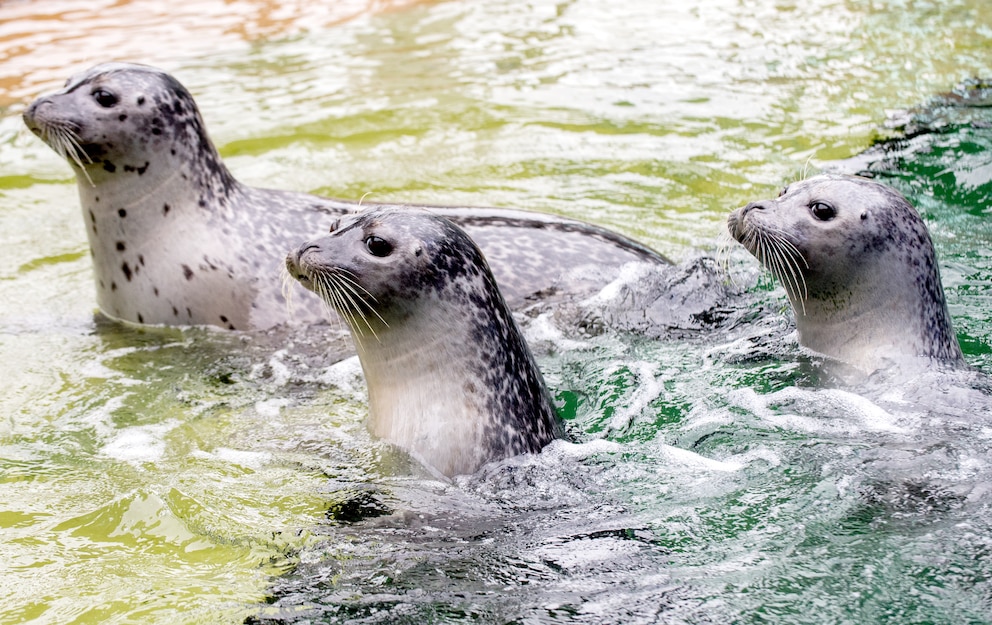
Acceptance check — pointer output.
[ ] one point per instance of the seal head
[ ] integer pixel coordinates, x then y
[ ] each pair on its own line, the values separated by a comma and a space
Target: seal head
449, 375
165, 218
858, 266
177, 240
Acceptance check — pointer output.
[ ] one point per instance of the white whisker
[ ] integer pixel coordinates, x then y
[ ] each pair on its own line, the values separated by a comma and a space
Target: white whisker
782, 258
347, 279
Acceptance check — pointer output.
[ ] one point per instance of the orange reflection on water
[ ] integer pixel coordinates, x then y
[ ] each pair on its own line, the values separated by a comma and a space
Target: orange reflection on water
43, 41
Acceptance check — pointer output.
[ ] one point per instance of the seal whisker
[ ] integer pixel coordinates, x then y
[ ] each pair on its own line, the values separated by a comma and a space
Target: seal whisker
776, 258
806, 168
348, 280
858, 293
788, 272
781, 257
68, 147
452, 381
286, 288
355, 304
791, 256
332, 290
765, 252
150, 161
330, 299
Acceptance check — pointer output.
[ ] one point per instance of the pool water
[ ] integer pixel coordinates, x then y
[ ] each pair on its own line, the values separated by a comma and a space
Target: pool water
162, 475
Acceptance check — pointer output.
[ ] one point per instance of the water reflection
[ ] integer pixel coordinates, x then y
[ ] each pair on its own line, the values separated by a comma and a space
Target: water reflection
163, 476
39, 39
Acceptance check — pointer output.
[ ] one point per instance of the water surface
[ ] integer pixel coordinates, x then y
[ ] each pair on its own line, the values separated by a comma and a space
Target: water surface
164, 475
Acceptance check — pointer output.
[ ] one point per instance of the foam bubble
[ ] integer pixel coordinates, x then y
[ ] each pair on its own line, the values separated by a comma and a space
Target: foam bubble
139, 444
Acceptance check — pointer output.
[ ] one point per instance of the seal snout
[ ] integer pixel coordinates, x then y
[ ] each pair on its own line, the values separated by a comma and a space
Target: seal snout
752, 206
295, 262
30, 116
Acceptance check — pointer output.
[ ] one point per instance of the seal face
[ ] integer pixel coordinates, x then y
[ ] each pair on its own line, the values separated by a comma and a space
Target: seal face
449, 374
858, 266
177, 240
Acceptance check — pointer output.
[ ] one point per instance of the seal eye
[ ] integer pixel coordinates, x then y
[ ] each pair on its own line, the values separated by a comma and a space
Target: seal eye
377, 246
104, 98
822, 211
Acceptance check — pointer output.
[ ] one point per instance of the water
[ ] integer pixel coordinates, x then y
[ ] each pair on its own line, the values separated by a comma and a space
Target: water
168, 475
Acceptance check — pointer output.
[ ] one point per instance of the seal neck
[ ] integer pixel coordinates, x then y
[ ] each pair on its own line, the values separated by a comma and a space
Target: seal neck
201, 186
455, 387
879, 320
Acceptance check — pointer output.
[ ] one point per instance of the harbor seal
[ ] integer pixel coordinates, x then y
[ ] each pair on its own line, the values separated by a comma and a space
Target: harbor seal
177, 240
858, 266
450, 377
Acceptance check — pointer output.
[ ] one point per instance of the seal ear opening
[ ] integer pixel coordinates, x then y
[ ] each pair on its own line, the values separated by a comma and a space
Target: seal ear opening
865, 215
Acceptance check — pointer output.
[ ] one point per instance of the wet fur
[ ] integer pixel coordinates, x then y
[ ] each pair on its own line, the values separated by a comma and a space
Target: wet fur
864, 285
450, 376
177, 240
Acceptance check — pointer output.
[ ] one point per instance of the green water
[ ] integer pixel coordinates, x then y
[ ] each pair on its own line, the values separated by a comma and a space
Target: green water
183, 476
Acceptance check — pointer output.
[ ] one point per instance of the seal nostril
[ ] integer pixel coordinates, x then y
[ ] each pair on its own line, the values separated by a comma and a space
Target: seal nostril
752, 206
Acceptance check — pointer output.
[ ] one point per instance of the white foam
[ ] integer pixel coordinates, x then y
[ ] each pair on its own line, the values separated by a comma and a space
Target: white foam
271, 408
559, 448
543, 329
249, 459
139, 444
817, 411
278, 372
629, 273
101, 419
648, 389
683, 458
345, 375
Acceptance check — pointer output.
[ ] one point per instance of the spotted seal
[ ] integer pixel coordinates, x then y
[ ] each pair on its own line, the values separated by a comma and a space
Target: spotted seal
450, 377
858, 266
176, 239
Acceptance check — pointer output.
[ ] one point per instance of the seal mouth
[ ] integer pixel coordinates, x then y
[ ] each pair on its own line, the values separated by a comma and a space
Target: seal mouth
338, 288
295, 265
62, 135
773, 249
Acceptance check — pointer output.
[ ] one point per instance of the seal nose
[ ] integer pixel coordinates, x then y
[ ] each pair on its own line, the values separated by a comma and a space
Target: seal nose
31, 114
294, 261
752, 206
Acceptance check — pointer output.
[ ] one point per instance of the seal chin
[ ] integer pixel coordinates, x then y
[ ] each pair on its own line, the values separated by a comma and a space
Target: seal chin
450, 378
177, 240
837, 244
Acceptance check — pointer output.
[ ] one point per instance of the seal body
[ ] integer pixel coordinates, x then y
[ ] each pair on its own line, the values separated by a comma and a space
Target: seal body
176, 239
859, 268
450, 377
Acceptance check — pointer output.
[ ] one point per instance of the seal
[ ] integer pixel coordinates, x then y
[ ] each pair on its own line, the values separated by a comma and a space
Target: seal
177, 240
859, 269
450, 377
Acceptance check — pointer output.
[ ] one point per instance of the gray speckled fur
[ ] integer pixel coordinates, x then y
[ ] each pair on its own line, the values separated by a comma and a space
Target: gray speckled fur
450, 376
175, 239
873, 290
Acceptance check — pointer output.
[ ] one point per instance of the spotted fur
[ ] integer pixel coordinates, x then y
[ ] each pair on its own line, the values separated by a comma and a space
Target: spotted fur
450, 376
176, 239
859, 267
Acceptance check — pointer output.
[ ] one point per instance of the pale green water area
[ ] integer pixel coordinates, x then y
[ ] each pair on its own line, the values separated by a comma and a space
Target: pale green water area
196, 476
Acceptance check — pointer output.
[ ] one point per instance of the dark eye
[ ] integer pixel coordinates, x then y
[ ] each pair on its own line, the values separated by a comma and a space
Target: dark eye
783, 191
377, 246
104, 98
822, 211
